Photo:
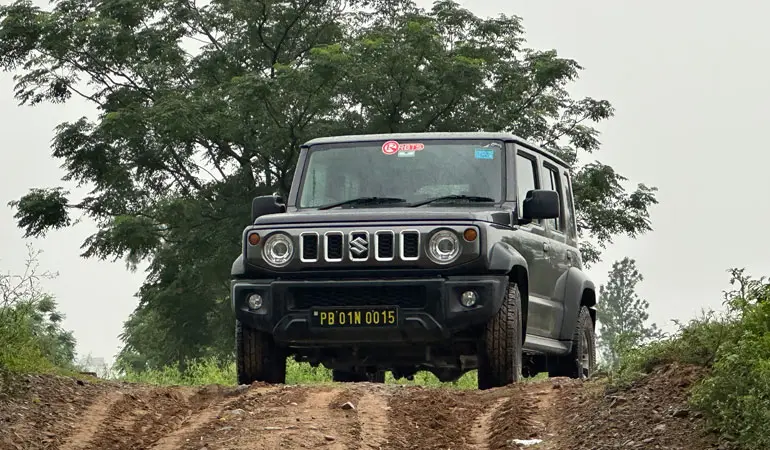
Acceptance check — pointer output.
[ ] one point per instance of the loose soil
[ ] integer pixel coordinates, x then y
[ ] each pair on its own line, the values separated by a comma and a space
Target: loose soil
51, 412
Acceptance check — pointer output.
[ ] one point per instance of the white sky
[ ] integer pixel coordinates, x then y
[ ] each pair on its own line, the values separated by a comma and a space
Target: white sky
688, 80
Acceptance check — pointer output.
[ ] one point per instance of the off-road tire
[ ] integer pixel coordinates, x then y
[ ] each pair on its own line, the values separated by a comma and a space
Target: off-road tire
500, 352
344, 376
583, 344
257, 357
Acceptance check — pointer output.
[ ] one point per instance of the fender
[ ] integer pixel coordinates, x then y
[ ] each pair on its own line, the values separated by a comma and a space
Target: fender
239, 268
576, 283
503, 257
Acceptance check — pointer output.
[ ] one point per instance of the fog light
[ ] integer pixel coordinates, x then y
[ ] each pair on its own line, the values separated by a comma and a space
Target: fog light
469, 299
254, 301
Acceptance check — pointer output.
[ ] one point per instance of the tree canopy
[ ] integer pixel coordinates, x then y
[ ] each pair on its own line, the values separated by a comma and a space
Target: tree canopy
203, 106
623, 315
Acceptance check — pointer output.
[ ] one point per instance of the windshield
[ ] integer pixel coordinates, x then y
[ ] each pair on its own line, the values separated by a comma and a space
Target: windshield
409, 171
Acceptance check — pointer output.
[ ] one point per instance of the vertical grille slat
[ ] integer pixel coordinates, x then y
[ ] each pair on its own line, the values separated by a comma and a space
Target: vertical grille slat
333, 246
385, 243
309, 252
410, 245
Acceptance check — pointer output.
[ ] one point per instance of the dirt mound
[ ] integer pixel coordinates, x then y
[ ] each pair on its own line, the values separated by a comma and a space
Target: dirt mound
652, 413
63, 413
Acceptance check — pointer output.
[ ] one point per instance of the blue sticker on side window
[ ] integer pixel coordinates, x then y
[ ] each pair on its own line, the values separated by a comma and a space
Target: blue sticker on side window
483, 153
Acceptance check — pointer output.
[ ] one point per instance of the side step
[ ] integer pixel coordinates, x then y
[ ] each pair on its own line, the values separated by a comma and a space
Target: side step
539, 344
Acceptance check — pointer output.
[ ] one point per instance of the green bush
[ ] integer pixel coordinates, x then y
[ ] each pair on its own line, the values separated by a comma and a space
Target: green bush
695, 342
30, 325
736, 395
735, 347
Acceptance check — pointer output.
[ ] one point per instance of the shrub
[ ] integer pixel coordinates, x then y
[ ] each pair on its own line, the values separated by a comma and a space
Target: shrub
736, 395
30, 325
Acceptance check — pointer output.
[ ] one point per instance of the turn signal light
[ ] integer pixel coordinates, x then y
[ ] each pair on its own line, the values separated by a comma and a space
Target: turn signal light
254, 238
470, 235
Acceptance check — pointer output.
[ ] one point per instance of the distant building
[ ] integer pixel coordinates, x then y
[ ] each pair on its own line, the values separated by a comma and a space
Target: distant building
95, 364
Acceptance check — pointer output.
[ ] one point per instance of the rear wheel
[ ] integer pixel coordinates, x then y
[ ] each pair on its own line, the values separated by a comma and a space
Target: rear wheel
581, 362
257, 357
345, 376
500, 355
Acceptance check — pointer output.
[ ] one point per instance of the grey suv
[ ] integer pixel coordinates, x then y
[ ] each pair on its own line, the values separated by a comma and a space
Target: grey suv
445, 252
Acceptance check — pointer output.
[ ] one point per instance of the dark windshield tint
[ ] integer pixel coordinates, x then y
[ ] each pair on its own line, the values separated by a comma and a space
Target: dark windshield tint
413, 171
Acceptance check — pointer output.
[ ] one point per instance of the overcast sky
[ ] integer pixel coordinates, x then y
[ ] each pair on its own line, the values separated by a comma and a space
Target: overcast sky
688, 80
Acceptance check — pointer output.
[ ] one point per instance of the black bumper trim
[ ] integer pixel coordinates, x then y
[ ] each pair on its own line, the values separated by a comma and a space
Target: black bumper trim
438, 321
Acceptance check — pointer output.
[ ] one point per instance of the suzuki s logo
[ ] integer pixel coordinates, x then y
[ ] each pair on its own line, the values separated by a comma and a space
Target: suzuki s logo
359, 246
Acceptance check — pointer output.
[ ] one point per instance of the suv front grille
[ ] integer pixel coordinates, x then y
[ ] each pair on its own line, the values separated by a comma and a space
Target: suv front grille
359, 246
410, 297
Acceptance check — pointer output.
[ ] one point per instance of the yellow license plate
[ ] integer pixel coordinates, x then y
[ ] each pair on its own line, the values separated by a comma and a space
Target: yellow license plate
355, 317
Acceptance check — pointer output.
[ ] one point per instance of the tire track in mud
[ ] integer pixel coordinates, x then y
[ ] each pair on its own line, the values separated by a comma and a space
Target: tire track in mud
482, 427
209, 412
292, 417
373, 407
526, 414
142, 417
90, 422
139, 418
433, 418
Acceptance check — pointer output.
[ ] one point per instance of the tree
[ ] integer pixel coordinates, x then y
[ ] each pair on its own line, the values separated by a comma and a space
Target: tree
30, 324
203, 107
623, 315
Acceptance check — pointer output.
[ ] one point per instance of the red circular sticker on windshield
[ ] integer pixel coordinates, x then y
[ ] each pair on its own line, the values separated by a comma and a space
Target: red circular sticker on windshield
390, 147
393, 147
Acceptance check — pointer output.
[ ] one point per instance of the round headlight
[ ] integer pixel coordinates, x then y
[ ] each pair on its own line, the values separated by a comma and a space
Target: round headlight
443, 247
278, 250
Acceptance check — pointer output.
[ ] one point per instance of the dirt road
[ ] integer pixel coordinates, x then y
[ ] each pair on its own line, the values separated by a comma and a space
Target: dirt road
63, 413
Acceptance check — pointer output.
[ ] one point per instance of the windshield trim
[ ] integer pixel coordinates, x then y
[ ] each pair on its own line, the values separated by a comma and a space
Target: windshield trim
305, 160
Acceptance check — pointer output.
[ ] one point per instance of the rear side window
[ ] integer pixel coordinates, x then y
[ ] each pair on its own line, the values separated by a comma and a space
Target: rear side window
570, 218
552, 182
526, 178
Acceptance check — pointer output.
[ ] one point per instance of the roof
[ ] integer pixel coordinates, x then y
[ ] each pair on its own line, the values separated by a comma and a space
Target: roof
350, 138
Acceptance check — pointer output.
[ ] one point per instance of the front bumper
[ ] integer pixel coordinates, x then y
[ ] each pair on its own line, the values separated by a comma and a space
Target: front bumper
429, 308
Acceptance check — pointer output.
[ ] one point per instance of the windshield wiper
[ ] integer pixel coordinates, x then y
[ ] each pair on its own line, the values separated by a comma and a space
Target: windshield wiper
469, 198
364, 201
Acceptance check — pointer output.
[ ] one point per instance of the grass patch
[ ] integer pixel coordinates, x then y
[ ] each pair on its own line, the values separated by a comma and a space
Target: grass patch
210, 371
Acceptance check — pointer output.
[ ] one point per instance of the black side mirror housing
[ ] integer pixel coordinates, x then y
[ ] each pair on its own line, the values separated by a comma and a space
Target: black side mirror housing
266, 204
540, 204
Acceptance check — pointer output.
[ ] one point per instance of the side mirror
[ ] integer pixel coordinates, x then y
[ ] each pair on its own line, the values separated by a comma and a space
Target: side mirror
540, 204
266, 204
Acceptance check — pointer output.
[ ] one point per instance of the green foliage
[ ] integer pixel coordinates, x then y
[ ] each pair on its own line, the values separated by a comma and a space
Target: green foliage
735, 348
30, 325
201, 108
212, 371
623, 315
736, 395
696, 342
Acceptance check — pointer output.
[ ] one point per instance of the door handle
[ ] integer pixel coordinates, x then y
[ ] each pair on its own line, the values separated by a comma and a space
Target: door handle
546, 247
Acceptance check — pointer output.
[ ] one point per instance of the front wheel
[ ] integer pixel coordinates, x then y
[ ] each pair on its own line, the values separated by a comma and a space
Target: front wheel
257, 357
500, 355
581, 362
